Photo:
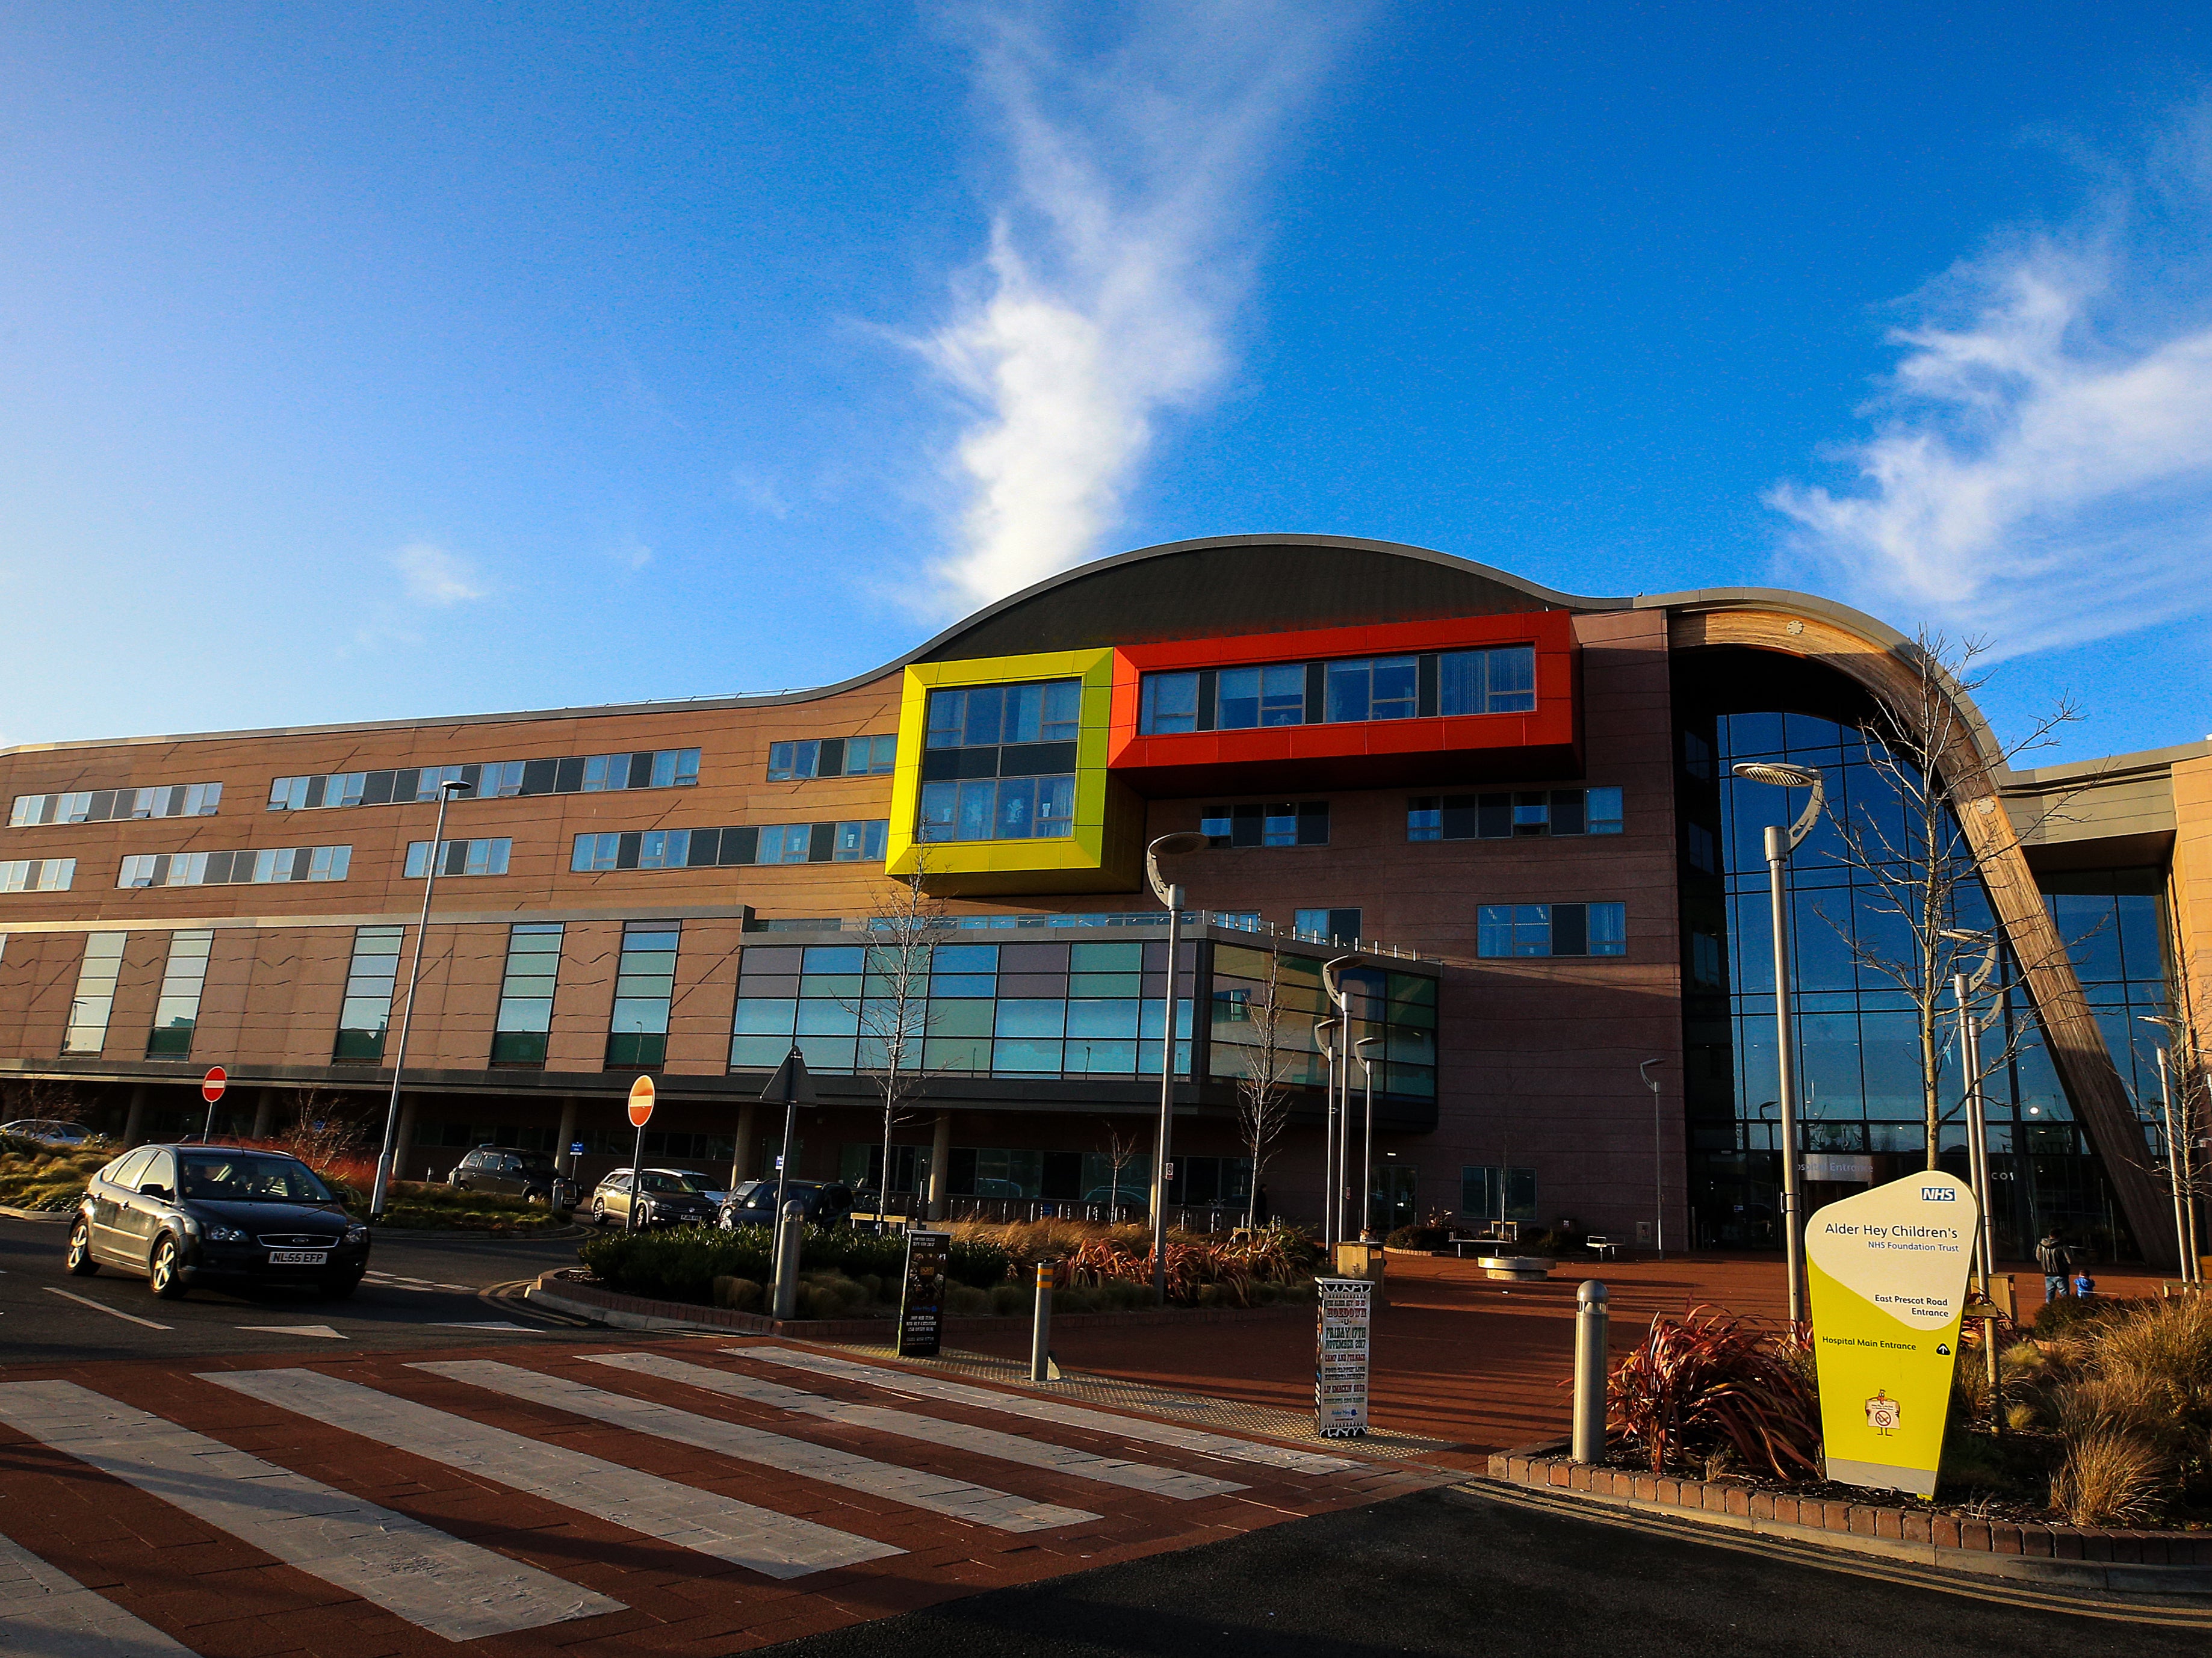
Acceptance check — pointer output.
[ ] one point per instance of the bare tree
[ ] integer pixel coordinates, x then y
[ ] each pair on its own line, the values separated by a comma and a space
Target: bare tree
1263, 1101
893, 1003
1918, 866
1119, 1154
47, 1098
320, 1132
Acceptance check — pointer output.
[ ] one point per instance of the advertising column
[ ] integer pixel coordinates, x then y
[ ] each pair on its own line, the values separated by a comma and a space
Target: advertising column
921, 1302
1340, 1356
1887, 1273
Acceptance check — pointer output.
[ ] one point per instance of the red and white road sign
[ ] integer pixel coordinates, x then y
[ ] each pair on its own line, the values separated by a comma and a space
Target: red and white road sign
214, 1083
641, 1101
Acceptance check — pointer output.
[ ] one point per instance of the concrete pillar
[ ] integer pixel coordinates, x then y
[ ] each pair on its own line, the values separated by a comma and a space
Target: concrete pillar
265, 1113
741, 1154
404, 1145
134, 1125
565, 1137
940, 1166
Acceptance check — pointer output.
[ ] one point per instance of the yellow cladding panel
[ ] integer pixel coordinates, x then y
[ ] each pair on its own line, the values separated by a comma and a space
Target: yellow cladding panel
1084, 850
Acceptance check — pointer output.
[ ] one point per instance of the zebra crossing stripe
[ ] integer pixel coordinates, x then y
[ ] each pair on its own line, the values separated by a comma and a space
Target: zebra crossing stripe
939, 1493
930, 1429
1051, 1410
437, 1582
46, 1614
758, 1538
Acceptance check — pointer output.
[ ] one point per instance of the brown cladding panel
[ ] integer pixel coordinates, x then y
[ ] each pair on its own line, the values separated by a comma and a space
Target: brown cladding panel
706, 995
218, 1035
145, 957
584, 1000
457, 1001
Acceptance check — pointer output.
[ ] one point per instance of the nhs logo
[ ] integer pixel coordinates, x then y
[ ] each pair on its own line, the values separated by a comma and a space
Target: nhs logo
1939, 1194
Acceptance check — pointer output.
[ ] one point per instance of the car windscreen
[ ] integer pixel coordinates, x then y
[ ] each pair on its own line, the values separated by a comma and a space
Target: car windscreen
656, 1180
227, 1177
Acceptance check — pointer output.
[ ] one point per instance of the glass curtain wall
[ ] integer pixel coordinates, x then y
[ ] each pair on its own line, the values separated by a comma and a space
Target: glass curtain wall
178, 1011
1857, 1045
1401, 1008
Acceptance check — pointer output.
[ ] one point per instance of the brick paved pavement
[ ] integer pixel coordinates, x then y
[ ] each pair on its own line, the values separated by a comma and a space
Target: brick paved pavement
139, 1546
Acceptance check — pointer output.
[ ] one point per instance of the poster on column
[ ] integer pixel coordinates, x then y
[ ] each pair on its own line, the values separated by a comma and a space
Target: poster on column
1887, 1277
1340, 1356
921, 1302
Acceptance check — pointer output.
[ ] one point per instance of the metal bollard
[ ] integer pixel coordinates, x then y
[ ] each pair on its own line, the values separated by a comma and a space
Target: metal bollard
1591, 1315
788, 1238
1040, 1332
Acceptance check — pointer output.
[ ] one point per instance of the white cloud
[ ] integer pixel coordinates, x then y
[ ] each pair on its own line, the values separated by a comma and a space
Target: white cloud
631, 553
2041, 470
434, 576
1116, 258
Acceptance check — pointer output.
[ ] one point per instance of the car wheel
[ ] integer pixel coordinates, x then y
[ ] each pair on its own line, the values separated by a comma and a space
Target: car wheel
341, 1287
598, 1212
80, 1263
165, 1272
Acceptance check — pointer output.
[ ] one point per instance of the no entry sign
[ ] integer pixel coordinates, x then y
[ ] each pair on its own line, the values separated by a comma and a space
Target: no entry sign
213, 1084
641, 1101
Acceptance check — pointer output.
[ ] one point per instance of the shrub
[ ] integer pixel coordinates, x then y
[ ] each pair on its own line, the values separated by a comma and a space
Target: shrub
2108, 1477
1710, 1381
1419, 1237
738, 1295
683, 1262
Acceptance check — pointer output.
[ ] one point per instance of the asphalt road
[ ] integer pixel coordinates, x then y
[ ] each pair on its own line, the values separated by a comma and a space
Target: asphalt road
1444, 1573
424, 1290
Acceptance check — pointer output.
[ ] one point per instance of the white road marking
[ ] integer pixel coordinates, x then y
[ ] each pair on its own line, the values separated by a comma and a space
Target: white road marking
392, 1281
322, 1330
46, 1614
102, 1307
930, 1429
939, 1493
450, 1587
1050, 1410
765, 1542
524, 1329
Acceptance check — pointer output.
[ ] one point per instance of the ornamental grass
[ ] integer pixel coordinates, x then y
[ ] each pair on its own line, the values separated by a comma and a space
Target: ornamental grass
1710, 1385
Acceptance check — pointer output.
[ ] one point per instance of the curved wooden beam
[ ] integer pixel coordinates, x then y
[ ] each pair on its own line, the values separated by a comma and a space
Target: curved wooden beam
2100, 1098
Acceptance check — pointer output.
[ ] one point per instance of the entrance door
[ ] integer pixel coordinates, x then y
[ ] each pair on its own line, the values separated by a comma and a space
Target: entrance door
1394, 1198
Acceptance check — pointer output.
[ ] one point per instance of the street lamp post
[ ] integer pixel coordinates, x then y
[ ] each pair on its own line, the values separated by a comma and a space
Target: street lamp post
1780, 844
1339, 1103
1367, 1155
1658, 1160
1325, 1036
1965, 991
446, 791
2176, 1163
1171, 896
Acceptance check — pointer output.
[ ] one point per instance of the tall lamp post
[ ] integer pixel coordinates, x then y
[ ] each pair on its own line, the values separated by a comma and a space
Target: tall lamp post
1325, 1036
446, 791
1965, 992
1339, 1105
1367, 1155
1780, 844
1658, 1159
2177, 1162
1171, 896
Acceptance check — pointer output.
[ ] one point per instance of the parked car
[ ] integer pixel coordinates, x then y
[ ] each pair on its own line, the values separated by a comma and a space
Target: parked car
753, 1202
505, 1170
671, 1197
183, 1215
65, 1136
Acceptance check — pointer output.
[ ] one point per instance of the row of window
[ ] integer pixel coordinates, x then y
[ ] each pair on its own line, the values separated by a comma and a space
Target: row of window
1502, 815
213, 869
832, 756
104, 805
863, 841
1504, 930
991, 716
460, 857
1502, 680
37, 874
501, 780
1292, 823
998, 809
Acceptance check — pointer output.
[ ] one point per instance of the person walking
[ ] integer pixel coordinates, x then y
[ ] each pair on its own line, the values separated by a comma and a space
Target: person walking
2050, 1256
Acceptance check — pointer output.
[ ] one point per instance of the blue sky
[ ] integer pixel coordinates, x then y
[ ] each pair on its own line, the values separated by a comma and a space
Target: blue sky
373, 362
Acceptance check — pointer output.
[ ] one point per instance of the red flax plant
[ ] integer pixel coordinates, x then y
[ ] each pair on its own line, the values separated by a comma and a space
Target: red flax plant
1709, 1381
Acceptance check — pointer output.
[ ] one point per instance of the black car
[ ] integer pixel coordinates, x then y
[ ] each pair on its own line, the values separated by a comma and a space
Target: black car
220, 1215
672, 1197
506, 1170
753, 1204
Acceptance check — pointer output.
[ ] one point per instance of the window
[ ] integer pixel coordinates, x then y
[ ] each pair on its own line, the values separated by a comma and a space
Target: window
95, 994
1706, 963
1248, 697
1502, 680
864, 839
993, 716
104, 805
1704, 849
1492, 1192
367, 1009
1399, 1008
178, 1011
664, 768
645, 982
1551, 930
37, 874
998, 809
214, 869
1337, 925
525, 993
1286, 824
458, 858
1379, 688
832, 756
1502, 815
1169, 704
999, 762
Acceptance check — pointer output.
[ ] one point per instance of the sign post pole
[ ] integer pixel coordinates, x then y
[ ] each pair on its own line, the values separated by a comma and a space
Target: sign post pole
641, 1113
211, 1087
793, 1088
